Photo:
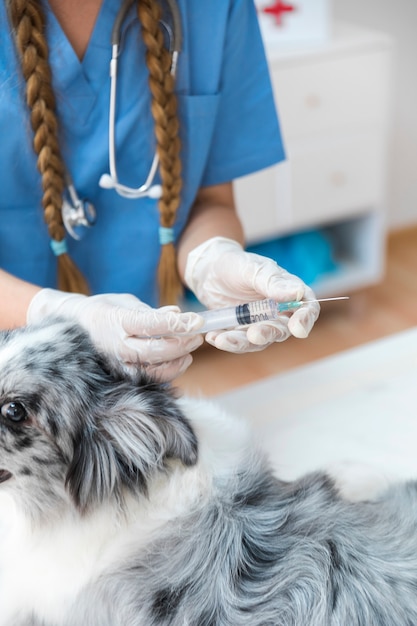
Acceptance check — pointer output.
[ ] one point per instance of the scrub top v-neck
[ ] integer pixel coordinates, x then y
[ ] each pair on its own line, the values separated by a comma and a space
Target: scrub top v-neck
228, 123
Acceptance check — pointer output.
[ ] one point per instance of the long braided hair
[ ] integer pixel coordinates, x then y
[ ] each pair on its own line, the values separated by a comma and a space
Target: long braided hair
28, 23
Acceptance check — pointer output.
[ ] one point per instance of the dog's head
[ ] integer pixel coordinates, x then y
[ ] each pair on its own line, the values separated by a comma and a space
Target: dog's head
74, 427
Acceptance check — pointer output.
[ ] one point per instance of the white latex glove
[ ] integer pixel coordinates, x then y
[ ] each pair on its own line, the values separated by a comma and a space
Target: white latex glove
127, 329
222, 274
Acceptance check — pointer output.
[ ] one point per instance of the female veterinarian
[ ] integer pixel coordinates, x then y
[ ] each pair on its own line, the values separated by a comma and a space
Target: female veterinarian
122, 125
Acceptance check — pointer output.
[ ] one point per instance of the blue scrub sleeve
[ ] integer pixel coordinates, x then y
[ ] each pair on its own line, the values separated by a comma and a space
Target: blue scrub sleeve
247, 135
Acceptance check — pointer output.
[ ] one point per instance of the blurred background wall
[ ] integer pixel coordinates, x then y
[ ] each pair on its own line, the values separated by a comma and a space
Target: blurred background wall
343, 78
399, 19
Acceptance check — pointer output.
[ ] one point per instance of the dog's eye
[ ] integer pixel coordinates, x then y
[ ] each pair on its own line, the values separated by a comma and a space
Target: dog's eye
14, 411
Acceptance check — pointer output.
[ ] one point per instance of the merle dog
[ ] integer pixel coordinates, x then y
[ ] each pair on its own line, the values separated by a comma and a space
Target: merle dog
122, 505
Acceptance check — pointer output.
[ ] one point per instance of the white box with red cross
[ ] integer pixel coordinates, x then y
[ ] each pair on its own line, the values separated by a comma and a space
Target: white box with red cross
298, 21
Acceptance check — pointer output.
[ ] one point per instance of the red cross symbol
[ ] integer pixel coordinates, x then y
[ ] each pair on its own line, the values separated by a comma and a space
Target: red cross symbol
278, 9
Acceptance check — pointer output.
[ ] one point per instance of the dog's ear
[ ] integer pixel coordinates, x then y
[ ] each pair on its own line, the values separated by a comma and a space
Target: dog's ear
134, 431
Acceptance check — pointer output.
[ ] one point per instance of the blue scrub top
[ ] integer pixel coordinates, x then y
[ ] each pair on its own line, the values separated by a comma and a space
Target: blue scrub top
229, 128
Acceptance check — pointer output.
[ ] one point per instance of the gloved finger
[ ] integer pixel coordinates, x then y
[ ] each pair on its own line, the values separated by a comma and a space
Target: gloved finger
121, 300
157, 322
272, 281
232, 341
265, 333
156, 350
302, 321
165, 372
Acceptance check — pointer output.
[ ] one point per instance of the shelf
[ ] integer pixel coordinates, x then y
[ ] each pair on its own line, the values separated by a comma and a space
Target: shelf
356, 252
358, 246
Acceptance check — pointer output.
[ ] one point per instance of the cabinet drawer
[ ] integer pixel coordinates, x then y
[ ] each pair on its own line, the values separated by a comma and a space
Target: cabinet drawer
263, 201
337, 178
338, 93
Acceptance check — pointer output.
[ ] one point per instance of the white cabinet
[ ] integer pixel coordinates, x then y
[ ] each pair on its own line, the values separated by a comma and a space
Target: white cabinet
333, 103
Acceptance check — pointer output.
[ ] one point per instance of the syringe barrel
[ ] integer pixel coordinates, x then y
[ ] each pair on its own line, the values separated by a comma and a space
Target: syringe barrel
242, 314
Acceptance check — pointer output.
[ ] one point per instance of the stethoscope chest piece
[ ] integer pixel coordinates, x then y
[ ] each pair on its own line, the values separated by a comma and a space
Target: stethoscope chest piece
78, 217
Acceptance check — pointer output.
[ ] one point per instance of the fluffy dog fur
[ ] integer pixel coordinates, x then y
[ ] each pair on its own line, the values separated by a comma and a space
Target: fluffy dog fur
121, 505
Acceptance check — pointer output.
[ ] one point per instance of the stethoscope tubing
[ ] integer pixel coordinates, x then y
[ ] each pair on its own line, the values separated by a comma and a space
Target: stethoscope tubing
77, 212
112, 180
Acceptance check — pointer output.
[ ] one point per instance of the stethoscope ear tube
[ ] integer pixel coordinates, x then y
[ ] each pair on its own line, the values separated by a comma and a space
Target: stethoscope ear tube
177, 26
176, 19
77, 214
116, 32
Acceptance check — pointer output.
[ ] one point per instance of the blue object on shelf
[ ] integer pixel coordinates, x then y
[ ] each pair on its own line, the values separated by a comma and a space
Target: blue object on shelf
306, 254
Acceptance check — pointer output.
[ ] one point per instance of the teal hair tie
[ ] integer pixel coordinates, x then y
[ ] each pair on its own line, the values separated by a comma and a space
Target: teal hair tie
166, 235
59, 247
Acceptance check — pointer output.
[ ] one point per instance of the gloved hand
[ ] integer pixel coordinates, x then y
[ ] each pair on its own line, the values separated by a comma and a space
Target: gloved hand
127, 329
221, 274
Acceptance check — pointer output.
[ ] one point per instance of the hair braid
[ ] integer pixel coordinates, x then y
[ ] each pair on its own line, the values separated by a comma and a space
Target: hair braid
28, 23
164, 112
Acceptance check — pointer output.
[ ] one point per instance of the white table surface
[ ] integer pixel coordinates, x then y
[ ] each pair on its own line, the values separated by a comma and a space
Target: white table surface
354, 413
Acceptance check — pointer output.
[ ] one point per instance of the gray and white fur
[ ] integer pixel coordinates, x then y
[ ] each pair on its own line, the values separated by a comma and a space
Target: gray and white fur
121, 505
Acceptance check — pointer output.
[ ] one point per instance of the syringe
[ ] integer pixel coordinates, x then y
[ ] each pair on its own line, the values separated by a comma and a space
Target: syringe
252, 312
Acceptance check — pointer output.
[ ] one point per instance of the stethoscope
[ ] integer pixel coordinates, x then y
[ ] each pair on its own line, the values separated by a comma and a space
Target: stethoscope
79, 214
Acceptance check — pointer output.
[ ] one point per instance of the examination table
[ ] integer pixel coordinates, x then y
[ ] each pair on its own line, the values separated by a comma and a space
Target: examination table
354, 414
